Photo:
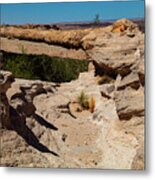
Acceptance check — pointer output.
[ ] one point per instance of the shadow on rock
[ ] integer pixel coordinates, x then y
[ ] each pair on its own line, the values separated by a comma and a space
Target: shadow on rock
19, 125
43, 122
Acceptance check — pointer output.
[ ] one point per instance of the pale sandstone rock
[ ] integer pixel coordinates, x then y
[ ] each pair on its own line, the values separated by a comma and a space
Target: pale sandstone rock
93, 140
131, 80
136, 127
107, 90
118, 147
23, 100
114, 56
37, 48
129, 102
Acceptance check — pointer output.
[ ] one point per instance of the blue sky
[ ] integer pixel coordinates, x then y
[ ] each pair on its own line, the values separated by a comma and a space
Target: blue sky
69, 12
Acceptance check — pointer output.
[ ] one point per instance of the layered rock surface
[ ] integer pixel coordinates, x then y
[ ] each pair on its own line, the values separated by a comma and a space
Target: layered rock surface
55, 135
50, 130
35, 48
77, 44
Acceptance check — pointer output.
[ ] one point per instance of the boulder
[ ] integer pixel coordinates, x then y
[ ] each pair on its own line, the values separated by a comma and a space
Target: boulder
105, 111
123, 25
138, 67
129, 102
117, 54
136, 127
23, 101
119, 141
131, 80
6, 79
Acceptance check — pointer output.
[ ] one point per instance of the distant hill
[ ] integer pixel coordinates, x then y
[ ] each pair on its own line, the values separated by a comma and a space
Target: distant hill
77, 25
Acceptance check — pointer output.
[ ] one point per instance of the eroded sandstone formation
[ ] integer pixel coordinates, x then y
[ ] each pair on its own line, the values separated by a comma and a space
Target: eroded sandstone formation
50, 130
74, 44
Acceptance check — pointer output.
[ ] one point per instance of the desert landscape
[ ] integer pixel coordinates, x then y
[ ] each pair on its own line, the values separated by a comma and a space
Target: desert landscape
72, 95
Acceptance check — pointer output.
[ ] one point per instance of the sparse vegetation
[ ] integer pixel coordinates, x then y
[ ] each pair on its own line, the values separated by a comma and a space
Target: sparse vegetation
43, 67
85, 103
83, 100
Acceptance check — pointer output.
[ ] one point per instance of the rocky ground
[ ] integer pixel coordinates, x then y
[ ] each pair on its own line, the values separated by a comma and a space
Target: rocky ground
41, 125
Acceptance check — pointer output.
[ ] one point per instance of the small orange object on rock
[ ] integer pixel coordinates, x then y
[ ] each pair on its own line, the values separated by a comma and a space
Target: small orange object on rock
92, 104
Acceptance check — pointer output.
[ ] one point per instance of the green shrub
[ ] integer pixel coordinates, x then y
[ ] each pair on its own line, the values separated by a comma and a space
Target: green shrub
83, 100
43, 67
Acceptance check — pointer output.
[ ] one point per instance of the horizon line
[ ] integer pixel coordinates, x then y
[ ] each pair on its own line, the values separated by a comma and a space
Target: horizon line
77, 22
